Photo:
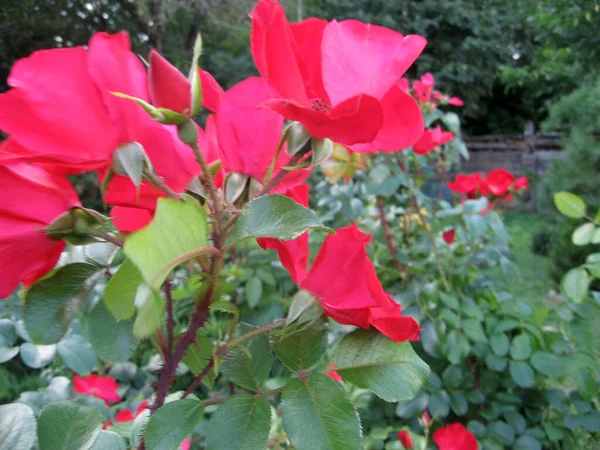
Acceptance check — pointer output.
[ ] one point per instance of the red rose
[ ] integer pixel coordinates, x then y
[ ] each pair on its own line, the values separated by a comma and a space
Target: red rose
31, 199
521, 183
448, 236
339, 79
101, 387
454, 437
431, 140
498, 182
466, 184
455, 101
170, 89
343, 278
405, 439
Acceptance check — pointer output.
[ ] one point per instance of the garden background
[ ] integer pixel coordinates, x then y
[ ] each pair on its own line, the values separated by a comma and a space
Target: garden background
521, 68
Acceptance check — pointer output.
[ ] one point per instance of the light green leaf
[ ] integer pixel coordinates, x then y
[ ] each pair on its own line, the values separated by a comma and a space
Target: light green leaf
225, 306
253, 291
368, 359
107, 440
522, 374
151, 307
77, 354
240, 423
17, 427
596, 236
575, 284
249, 367
172, 423
119, 294
68, 425
51, 304
302, 349
7, 353
37, 356
177, 234
318, 415
113, 341
274, 216
520, 348
569, 205
583, 234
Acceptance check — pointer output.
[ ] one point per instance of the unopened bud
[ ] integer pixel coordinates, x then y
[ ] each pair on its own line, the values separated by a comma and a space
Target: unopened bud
298, 138
188, 132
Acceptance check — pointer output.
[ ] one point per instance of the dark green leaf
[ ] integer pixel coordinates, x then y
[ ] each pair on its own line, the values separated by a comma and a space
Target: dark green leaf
549, 364
304, 308
318, 415
17, 427
77, 354
253, 291
249, 367
516, 421
474, 330
500, 344
520, 348
177, 234
522, 374
113, 341
68, 425
569, 205
586, 384
240, 423
449, 300
527, 443
197, 355
274, 216
172, 423
502, 431
414, 407
51, 304
495, 362
129, 160
452, 377
119, 294
439, 405
302, 349
368, 359
458, 403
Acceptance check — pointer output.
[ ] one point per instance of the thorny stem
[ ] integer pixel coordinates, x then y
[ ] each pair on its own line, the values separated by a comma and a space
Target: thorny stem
208, 181
160, 183
387, 233
107, 237
170, 320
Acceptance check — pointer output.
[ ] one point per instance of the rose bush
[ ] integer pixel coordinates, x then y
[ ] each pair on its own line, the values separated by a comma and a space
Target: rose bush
213, 309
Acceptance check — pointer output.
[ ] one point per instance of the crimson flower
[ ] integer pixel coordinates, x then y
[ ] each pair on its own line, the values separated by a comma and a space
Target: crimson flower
339, 79
104, 388
497, 182
521, 183
31, 199
455, 437
431, 140
423, 88
170, 89
127, 415
455, 101
332, 373
246, 137
343, 278
405, 439
466, 184
426, 418
448, 236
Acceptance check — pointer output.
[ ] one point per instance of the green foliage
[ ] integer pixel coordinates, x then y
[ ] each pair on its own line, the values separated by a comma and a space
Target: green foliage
17, 426
172, 423
69, 426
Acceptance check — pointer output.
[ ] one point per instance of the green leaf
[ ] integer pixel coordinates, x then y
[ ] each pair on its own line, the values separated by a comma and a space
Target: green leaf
113, 341
527, 443
500, 344
439, 405
516, 421
68, 425
575, 284
368, 359
274, 216
77, 354
449, 300
129, 160
522, 374
302, 349
51, 304
249, 367
150, 313
17, 427
240, 423
474, 330
197, 355
318, 415
225, 306
458, 403
172, 423
502, 431
584, 234
569, 205
549, 364
8, 332
177, 234
107, 440
119, 294
586, 384
8, 353
194, 77
305, 307
37, 356
521, 347
452, 377
495, 362
596, 236
254, 291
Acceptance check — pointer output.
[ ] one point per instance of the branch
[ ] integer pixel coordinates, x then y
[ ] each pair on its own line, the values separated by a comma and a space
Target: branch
387, 233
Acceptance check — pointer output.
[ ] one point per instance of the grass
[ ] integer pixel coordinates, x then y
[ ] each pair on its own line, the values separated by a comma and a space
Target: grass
533, 281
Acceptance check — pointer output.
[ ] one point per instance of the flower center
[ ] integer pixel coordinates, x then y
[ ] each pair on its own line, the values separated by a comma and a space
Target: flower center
318, 104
